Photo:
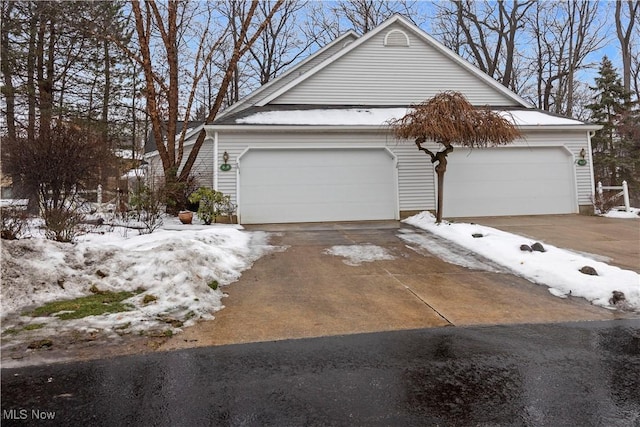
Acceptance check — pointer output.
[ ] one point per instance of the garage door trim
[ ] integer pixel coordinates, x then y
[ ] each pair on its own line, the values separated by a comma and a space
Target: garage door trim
385, 149
570, 170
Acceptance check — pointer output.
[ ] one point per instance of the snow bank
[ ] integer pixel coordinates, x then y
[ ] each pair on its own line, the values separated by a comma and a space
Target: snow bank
556, 268
620, 212
176, 267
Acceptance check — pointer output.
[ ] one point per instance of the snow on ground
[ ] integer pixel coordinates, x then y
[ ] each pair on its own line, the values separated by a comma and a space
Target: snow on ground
620, 212
556, 268
175, 264
357, 254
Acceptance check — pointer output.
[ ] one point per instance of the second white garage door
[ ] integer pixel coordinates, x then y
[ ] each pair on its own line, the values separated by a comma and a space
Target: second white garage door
313, 185
509, 181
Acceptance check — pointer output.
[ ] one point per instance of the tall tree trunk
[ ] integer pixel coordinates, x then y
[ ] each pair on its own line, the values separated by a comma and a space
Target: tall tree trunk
624, 37
7, 65
31, 77
440, 173
441, 168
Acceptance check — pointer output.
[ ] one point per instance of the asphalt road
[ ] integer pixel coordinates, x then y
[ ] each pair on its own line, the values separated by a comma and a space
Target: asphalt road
576, 374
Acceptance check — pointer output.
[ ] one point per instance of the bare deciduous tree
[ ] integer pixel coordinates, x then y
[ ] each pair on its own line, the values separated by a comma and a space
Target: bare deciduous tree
279, 45
448, 119
59, 164
485, 33
625, 34
328, 22
565, 35
174, 58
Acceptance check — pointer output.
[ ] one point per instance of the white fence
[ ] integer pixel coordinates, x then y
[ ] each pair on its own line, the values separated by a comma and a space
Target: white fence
624, 193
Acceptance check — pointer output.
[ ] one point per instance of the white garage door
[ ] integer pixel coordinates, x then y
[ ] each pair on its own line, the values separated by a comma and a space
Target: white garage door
509, 181
313, 185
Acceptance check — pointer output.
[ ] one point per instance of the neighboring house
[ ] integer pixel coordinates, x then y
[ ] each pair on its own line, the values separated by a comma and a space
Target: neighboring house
314, 144
203, 170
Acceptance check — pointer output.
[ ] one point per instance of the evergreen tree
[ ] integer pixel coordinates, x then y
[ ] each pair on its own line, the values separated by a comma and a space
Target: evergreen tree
615, 147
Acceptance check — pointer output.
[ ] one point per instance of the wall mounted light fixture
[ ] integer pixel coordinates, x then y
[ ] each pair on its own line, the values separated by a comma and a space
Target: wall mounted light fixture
582, 161
225, 166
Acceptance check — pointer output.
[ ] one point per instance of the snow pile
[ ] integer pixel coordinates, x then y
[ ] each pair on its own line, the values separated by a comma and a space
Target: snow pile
179, 268
357, 254
556, 268
621, 212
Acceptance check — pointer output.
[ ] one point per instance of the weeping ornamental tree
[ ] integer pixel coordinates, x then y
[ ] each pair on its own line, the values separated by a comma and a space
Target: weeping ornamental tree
447, 119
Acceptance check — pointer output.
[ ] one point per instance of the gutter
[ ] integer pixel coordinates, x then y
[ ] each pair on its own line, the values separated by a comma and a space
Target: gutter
244, 128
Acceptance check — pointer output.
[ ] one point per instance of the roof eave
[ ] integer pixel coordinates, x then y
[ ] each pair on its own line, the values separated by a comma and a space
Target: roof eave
341, 128
584, 127
237, 105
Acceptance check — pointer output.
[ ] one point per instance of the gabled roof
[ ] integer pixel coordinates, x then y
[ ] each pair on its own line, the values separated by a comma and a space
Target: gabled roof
291, 74
396, 19
193, 128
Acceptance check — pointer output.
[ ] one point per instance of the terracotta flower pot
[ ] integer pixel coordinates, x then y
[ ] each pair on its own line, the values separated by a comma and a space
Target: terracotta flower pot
185, 217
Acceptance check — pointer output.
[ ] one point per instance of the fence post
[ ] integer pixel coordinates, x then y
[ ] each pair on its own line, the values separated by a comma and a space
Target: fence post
99, 197
599, 188
625, 191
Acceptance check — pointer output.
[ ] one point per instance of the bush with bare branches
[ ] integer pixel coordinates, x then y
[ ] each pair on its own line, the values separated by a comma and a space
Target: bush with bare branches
59, 163
14, 221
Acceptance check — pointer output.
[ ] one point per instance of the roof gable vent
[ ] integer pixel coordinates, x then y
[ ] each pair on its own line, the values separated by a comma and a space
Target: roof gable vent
396, 38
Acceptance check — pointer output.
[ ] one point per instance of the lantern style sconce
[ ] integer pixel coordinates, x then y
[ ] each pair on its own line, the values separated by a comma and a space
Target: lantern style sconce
582, 161
225, 166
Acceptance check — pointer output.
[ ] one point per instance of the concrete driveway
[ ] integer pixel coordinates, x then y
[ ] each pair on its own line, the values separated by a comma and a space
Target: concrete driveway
617, 241
302, 291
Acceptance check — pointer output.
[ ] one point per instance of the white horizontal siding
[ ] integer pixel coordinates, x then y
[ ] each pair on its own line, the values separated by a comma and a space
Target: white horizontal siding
202, 170
415, 172
374, 74
415, 176
287, 77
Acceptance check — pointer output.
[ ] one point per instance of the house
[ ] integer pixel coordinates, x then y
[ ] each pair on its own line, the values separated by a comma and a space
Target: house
315, 145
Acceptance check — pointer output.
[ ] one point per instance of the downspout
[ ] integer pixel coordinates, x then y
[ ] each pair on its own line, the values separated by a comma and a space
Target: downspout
590, 134
215, 161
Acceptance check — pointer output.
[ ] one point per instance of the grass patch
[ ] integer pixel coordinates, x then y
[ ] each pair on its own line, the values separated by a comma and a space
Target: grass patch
149, 298
213, 284
92, 305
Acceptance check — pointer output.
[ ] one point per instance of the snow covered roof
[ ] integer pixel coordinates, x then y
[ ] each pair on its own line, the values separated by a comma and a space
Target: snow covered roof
372, 116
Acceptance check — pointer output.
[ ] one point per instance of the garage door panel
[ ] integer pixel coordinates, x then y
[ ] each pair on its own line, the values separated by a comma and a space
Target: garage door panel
306, 185
509, 181
292, 194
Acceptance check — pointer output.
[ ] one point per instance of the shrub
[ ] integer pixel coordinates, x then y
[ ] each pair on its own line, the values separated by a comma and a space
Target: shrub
211, 203
148, 208
175, 193
14, 222
207, 199
603, 203
62, 224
